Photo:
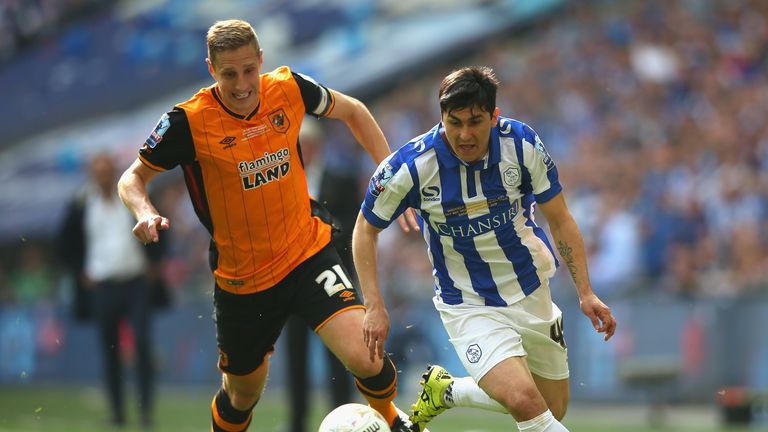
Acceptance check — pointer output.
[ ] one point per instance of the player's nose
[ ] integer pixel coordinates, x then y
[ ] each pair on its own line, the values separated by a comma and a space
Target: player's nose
465, 134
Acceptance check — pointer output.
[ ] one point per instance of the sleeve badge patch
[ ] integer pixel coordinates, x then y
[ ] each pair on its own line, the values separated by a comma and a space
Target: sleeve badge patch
539, 146
157, 134
380, 179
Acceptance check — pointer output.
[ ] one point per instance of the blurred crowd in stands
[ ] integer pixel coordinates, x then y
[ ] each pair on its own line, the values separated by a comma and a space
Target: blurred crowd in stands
77, 59
654, 112
25, 22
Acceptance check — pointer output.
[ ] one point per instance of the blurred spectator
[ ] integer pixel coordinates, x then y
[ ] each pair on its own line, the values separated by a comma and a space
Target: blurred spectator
27, 314
616, 259
333, 190
118, 283
32, 280
17, 344
185, 263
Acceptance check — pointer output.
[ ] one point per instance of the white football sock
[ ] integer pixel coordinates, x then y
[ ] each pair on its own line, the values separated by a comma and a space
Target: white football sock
544, 422
466, 393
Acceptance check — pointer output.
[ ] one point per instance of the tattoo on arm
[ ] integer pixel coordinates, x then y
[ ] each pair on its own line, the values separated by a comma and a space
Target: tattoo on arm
566, 252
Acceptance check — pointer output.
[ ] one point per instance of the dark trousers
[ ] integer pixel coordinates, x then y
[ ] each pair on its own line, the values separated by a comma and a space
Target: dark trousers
339, 378
300, 389
113, 302
345, 212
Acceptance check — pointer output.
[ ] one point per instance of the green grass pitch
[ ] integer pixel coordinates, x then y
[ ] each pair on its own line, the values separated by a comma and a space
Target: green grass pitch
83, 409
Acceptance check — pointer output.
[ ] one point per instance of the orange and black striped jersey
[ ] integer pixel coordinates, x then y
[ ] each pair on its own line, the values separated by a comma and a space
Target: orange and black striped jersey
246, 178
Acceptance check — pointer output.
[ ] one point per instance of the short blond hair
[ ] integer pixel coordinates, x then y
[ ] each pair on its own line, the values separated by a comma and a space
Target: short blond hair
230, 35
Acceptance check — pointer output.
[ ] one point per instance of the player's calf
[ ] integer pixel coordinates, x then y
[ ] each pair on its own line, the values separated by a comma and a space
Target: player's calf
225, 417
380, 390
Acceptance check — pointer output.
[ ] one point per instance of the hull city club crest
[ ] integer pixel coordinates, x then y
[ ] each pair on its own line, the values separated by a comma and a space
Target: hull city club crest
279, 121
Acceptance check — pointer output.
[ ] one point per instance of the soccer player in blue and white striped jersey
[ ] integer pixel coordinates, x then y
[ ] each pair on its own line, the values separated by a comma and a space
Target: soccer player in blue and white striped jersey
474, 180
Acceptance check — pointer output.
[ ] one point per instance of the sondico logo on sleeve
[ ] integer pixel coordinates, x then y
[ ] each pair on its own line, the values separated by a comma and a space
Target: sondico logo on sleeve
259, 172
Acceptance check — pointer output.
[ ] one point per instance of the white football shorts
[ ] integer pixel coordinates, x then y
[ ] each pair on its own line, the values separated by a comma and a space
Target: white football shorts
483, 336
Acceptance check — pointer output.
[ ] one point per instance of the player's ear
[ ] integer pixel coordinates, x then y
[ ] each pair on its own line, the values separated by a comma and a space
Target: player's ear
495, 116
210, 67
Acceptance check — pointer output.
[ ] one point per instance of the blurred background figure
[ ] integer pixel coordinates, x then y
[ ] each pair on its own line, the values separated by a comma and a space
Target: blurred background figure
117, 281
29, 322
323, 185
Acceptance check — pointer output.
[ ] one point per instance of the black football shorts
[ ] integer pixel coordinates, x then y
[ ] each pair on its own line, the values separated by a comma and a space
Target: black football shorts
248, 325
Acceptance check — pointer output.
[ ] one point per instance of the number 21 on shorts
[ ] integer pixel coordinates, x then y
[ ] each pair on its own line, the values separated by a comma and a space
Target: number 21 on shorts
329, 279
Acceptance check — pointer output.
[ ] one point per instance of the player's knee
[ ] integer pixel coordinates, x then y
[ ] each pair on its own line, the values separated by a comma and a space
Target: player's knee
244, 391
558, 403
243, 399
525, 403
559, 408
363, 367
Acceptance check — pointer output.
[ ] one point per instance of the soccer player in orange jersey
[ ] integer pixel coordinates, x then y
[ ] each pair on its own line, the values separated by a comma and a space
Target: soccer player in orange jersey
237, 144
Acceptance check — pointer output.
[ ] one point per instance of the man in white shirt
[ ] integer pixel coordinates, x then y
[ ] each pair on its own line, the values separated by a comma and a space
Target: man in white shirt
116, 278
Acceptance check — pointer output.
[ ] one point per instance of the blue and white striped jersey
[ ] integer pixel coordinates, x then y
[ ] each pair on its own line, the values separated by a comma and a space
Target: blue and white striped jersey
477, 219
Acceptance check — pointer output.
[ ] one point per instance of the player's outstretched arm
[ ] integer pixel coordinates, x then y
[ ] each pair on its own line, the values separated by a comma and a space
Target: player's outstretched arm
362, 125
376, 323
369, 135
570, 244
132, 188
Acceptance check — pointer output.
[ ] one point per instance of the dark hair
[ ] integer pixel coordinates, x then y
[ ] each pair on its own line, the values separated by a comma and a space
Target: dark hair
468, 87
